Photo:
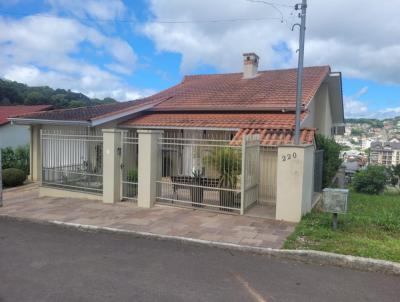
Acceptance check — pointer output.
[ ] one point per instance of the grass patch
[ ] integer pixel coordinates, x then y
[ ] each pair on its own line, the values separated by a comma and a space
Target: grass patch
371, 228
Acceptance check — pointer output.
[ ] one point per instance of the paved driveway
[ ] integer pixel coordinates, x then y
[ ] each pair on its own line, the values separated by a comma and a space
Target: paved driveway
51, 263
253, 231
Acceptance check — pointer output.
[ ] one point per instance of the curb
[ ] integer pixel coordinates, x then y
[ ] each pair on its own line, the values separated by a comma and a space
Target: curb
306, 256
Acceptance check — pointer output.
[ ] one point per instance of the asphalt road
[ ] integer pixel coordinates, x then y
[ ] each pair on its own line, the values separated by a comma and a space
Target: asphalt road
51, 263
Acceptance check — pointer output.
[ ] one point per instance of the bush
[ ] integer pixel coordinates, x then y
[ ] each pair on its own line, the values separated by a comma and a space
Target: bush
132, 175
371, 180
15, 158
332, 161
13, 177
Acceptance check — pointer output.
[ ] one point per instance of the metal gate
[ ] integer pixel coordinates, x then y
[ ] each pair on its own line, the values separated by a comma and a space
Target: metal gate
72, 159
250, 172
129, 166
318, 170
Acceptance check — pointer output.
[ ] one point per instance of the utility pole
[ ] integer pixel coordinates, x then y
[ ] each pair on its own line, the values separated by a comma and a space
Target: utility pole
299, 94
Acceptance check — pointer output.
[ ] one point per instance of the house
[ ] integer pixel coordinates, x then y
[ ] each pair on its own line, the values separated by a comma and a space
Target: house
217, 141
17, 135
385, 153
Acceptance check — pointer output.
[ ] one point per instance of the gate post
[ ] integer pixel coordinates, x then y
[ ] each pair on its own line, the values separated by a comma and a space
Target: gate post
112, 143
295, 173
149, 167
35, 151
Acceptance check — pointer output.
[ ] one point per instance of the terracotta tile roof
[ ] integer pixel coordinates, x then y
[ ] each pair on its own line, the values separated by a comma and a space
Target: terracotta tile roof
89, 113
275, 137
12, 111
274, 89
215, 120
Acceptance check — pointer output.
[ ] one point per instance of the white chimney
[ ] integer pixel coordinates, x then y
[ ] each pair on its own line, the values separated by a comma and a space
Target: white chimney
250, 65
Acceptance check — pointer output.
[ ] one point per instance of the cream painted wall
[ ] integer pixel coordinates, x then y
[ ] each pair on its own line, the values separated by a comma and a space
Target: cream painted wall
295, 182
320, 115
14, 136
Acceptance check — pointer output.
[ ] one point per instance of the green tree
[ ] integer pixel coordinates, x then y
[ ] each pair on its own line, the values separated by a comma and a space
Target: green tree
332, 159
34, 98
371, 180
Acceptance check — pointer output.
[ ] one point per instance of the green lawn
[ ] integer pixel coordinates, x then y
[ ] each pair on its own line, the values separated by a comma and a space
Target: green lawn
371, 228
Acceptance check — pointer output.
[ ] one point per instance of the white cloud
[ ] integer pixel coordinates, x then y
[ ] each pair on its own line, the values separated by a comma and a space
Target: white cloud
354, 107
42, 50
100, 9
355, 37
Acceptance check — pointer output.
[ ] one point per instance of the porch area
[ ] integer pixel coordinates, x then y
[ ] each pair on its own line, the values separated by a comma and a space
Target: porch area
232, 172
24, 202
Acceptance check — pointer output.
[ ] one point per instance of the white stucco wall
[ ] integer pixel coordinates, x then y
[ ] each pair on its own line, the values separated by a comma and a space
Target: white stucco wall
320, 115
14, 136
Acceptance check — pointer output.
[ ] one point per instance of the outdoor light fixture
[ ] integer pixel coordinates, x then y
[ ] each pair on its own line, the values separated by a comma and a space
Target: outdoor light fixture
334, 201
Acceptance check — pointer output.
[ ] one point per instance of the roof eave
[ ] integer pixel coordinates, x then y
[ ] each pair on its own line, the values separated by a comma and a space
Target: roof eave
177, 128
27, 121
112, 117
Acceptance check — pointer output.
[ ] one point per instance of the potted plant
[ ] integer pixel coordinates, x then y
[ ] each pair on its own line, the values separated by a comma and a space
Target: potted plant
196, 190
228, 162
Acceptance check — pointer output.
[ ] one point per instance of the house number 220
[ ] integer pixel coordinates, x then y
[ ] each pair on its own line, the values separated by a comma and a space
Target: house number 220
289, 156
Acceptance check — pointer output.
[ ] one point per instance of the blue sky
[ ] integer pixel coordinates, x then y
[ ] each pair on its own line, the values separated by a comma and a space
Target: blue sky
129, 49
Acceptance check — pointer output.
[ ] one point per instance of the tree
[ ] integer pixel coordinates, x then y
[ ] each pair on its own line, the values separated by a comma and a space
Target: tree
371, 180
332, 159
34, 98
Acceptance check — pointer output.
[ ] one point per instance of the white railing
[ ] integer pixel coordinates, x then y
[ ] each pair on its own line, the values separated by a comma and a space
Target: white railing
268, 169
72, 159
250, 171
129, 166
199, 170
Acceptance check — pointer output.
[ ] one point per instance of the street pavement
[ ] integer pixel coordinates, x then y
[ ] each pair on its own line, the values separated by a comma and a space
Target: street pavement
41, 262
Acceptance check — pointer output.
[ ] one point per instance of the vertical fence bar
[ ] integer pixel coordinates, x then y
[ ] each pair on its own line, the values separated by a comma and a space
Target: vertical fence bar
243, 176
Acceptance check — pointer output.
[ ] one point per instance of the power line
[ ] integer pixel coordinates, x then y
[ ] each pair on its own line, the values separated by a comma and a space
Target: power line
151, 21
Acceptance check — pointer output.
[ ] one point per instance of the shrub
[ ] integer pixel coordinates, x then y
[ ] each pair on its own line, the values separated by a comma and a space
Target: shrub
331, 161
13, 177
15, 158
371, 180
132, 175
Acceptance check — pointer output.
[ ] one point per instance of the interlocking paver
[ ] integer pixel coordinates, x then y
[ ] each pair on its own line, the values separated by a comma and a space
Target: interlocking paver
24, 202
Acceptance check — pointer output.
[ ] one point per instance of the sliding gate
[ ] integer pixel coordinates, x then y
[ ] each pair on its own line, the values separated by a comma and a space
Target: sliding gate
208, 171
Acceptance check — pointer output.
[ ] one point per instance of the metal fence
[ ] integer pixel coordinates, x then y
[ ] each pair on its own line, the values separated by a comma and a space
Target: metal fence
129, 166
268, 170
251, 171
318, 170
200, 170
73, 159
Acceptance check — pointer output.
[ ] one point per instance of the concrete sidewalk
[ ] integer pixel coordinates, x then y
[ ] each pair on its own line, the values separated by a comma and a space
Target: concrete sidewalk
24, 202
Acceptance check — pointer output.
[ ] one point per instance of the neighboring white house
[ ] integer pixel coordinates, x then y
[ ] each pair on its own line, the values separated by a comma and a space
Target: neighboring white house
219, 141
16, 135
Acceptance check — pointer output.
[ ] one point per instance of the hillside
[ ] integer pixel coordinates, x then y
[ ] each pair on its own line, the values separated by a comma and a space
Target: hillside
14, 93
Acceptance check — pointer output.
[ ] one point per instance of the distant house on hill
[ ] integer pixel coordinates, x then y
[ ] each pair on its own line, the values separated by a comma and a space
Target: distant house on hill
386, 154
16, 135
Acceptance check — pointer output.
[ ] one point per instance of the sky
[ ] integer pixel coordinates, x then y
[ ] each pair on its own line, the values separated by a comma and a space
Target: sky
133, 48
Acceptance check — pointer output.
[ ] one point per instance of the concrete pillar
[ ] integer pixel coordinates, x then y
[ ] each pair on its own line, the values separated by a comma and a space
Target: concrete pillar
295, 178
35, 153
149, 167
112, 143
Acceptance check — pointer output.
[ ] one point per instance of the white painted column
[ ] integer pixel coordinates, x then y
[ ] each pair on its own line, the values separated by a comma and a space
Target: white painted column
295, 181
112, 143
149, 167
35, 153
